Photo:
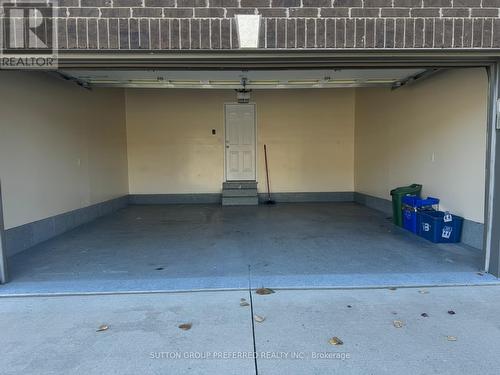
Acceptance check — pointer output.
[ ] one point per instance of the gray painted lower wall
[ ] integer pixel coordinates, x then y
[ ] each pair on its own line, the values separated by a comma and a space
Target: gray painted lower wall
25, 236
215, 198
376, 203
472, 232
335, 196
203, 198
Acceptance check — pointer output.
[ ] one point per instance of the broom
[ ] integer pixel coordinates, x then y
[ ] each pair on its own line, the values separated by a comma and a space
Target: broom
269, 200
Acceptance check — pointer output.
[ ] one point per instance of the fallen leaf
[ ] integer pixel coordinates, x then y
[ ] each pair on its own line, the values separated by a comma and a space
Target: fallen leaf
186, 326
102, 328
264, 291
394, 313
258, 318
423, 291
451, 338
243, 302
425, 315
398, 323
336, 341
451, 312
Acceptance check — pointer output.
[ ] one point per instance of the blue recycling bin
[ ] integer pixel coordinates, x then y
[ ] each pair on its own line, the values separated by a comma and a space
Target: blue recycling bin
440, 227
412, 206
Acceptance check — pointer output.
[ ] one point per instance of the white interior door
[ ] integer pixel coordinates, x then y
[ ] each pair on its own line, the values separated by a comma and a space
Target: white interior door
240, 142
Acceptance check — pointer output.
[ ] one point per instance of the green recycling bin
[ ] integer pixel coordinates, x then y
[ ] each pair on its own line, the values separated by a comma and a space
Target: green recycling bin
397, 198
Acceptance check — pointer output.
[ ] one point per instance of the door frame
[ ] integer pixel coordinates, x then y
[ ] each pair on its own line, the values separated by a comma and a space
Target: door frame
255, 133
4, 275
320, 59
491, 239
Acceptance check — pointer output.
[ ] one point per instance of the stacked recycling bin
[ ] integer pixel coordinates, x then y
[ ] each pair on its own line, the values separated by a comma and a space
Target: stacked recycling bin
423, 217
413, 207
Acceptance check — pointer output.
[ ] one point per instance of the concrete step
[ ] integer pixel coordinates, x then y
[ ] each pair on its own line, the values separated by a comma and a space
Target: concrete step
240, 201
239, 193
239, 185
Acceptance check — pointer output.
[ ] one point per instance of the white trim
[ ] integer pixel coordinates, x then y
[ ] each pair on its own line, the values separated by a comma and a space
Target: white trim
491, 158
4, 275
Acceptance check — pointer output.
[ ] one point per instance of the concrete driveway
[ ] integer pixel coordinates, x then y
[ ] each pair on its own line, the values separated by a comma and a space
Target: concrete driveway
57, 335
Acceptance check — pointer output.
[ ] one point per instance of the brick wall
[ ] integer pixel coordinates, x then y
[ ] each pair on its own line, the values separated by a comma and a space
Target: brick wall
290, 24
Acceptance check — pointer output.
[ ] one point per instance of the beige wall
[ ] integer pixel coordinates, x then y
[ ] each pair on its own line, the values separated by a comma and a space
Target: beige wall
171, 149
310, 139
398, 132
61, 147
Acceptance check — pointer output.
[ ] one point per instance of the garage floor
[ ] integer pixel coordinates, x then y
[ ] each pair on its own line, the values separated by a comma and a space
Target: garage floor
186, 247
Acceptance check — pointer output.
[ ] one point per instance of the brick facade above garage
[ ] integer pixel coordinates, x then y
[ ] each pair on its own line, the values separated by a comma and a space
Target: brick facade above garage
285, 24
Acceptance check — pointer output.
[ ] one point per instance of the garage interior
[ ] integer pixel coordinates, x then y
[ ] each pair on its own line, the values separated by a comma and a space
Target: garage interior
112, 180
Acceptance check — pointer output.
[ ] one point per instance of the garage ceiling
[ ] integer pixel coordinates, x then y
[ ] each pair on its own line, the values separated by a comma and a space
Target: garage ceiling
236, 79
